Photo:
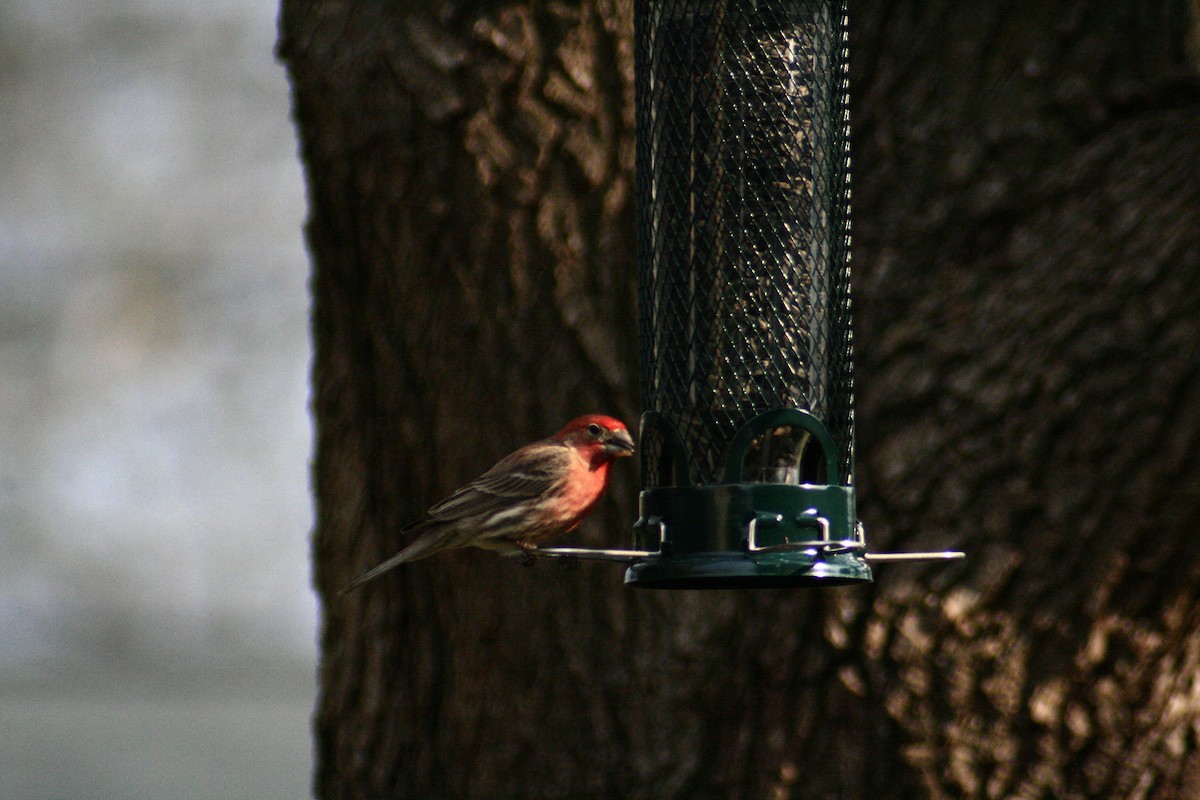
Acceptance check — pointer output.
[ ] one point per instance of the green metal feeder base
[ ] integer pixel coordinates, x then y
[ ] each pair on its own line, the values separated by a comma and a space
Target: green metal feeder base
745, 571
748, 536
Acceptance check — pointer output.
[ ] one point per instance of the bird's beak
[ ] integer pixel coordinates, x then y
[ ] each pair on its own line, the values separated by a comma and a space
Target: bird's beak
619, 443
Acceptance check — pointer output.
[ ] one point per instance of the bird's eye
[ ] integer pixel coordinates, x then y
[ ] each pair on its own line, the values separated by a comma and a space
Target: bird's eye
593, 429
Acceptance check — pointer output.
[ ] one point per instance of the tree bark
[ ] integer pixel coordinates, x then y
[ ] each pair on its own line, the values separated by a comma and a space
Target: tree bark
1027, 276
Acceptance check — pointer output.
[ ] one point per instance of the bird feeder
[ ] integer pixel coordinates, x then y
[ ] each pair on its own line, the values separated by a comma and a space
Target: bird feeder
743, 175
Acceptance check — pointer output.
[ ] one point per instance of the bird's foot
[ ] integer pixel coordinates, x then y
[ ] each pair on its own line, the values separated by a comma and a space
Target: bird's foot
528, 559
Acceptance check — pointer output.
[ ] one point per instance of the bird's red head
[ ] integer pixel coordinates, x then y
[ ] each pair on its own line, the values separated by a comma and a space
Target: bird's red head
603, 438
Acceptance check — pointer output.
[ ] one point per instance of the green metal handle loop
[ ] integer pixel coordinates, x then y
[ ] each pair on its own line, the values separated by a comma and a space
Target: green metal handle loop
672, 441
778, 418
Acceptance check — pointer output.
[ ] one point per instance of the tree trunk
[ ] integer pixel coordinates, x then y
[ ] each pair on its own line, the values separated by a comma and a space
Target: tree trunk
1027, 276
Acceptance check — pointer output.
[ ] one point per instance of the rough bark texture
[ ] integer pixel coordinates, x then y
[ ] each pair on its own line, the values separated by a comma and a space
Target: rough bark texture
1027, 270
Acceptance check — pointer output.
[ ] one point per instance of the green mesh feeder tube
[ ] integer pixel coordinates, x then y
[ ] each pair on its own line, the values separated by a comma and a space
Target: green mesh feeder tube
743, 217
744, 298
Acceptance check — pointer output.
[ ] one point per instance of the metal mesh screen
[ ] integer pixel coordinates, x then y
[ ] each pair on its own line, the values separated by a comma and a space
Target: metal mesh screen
743, 221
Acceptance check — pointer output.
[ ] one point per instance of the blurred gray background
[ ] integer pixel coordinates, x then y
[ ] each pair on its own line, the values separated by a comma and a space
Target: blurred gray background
156, 620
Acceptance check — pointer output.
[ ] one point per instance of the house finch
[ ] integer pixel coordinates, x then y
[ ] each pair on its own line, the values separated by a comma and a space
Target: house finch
543, 490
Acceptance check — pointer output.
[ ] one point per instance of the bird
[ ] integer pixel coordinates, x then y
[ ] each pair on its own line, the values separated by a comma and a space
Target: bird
541, 491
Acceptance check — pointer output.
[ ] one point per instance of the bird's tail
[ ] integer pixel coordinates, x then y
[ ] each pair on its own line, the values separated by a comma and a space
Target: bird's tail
424, 546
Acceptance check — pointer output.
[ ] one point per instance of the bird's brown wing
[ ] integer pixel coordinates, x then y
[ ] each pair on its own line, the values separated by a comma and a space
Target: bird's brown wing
524, 475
